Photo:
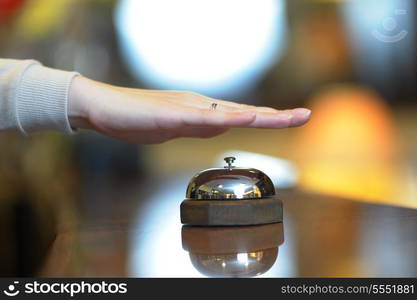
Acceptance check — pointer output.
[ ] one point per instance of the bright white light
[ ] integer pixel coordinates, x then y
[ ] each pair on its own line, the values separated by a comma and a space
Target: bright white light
243, 258
208, 46
158, 252
239, 190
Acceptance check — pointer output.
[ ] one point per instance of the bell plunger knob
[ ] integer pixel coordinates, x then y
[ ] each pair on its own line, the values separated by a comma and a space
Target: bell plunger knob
229, 160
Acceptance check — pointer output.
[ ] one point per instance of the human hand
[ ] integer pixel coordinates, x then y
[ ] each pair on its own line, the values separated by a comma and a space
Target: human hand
153, 116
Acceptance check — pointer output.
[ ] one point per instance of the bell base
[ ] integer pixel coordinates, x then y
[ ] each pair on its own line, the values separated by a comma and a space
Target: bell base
231, 212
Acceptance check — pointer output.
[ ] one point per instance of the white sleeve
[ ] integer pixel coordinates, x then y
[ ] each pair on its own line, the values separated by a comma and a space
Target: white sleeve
33, 98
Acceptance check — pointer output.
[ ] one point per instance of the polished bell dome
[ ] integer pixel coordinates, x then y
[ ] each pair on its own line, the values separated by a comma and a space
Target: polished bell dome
235, 265
230, 183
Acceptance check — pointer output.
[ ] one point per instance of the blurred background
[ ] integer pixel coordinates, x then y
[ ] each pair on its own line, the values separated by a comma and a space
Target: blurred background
352, 62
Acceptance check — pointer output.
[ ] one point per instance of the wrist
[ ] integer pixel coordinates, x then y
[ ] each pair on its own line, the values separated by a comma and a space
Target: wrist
78, 102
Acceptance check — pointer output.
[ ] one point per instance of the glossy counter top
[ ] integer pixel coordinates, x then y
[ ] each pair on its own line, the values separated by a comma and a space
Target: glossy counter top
137, 233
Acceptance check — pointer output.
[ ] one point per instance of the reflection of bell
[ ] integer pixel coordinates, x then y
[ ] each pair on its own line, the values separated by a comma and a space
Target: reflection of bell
231, 196
237, 251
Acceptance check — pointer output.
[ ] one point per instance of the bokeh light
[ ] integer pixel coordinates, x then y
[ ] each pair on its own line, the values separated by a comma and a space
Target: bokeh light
213, 47
351, 146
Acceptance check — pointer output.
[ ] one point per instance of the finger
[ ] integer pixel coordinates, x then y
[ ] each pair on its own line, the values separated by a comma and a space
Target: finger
232, 106
222, 105
213, 118
300, 116
281, 119
272, 120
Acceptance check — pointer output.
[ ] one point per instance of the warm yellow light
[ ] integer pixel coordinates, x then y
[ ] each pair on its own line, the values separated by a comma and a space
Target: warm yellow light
350, 148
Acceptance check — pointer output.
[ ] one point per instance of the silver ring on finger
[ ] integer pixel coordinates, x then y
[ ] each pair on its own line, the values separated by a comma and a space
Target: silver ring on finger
213, 106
